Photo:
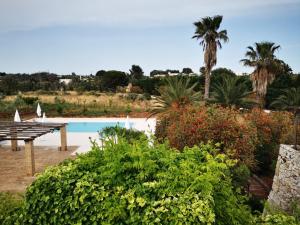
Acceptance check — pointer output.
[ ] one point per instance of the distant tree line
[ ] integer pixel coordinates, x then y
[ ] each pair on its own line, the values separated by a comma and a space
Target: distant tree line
12, 83
108, 81
102, 81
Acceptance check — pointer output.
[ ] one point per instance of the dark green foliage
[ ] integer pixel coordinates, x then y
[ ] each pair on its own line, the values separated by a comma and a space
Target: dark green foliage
8, 85
241, 175
12, 83
136, 72
256, 204
30, 100
231, 91
289, 99
111, 79
265, 157
280, 83
187, 70
137, 184
100, 73
216, 74
149, 85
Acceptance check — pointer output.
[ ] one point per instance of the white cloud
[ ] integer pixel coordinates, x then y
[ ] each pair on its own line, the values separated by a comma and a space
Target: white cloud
31, 14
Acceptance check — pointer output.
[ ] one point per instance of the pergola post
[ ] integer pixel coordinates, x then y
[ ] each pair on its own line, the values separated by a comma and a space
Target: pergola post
14, 145
63, 138
29, 157
14, 142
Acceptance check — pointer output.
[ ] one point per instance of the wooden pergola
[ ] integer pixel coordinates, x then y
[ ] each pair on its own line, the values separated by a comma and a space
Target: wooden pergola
27, 132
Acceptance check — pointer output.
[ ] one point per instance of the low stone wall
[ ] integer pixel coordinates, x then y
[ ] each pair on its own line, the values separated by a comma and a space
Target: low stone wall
286, 182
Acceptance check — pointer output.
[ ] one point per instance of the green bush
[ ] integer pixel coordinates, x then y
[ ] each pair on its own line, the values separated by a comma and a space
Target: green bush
59, 105
9, 206
130, 135
137, 183
18, 102
111, 79
277, 219
241, 175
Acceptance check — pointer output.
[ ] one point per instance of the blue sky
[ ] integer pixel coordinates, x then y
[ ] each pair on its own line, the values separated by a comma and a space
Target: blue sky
86, 36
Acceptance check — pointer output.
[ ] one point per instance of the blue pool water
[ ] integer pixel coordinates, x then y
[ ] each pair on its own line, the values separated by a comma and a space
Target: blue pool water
92, 126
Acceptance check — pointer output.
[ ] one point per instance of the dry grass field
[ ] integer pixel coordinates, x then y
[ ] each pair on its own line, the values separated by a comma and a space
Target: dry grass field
91, 102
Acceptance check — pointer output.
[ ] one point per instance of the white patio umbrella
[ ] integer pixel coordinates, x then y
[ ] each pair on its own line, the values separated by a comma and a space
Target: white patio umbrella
42, 138
17, 116
39, 110
127, 124
44, 117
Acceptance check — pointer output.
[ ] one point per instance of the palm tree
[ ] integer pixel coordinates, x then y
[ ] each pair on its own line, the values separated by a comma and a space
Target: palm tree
207, 31
290, 99
266, 65
175, 95
232, 91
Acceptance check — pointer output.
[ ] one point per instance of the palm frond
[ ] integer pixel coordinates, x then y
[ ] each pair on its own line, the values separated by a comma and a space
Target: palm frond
230, 91
207, 30
176, 94
289, 99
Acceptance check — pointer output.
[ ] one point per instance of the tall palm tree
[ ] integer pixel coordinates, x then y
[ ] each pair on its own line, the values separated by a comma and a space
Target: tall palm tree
177, 93
207, 30
232, 91
266, 65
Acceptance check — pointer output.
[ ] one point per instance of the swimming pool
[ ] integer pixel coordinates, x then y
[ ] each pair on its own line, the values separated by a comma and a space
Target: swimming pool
91, 127
80, 131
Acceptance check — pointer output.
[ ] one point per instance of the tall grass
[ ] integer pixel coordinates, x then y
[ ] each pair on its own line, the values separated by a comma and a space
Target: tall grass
79, 104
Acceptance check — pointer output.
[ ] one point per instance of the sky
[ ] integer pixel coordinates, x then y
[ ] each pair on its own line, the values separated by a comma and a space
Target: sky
84, 36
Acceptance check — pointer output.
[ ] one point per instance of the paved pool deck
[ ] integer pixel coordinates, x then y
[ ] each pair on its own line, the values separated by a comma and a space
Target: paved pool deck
13, 175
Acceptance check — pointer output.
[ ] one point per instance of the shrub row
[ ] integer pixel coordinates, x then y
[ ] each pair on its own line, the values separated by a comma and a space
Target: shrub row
252, 137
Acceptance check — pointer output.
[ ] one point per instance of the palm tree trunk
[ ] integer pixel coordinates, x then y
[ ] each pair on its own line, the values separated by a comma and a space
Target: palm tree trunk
207, 84
261, 101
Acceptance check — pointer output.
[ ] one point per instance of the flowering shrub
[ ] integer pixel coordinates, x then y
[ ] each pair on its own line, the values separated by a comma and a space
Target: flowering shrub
211, 124
137, 184
273, 129
253, 138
